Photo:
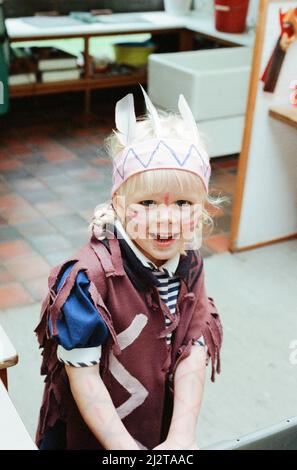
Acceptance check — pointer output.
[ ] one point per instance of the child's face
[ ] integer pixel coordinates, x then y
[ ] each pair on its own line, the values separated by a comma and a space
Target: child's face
172, 216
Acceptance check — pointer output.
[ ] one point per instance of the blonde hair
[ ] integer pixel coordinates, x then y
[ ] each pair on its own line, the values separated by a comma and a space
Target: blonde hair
172, 126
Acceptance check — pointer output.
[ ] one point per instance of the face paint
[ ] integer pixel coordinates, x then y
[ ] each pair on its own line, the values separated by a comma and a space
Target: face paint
91, 386
142, 221
97, 411
166, 198
163, 227
136, 221
131, 213
190, 220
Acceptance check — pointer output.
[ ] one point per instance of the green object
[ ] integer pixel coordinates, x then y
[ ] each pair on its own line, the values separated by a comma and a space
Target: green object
133, 53
4, 64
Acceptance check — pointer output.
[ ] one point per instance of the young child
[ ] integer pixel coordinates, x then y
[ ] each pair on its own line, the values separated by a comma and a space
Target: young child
127, 328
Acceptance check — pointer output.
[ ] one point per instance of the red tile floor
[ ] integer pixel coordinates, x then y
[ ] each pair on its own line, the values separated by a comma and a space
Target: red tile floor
53, 172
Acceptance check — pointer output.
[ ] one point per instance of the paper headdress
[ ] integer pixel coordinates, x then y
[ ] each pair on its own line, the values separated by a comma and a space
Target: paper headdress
157, 152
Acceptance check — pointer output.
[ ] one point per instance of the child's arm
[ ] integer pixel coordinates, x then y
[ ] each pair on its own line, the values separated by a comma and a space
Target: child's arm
97, 408
189, 381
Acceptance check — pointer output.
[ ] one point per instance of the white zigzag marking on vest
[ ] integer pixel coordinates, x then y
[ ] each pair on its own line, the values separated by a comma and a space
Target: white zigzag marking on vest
128, 336
131, 384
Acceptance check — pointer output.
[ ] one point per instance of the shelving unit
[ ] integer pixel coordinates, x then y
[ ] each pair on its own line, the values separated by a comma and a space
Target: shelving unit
88, 83
286, 114
154, 23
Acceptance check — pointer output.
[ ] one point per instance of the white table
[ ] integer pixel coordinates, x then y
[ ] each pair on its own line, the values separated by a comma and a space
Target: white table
199, 22
13, 434
8, 355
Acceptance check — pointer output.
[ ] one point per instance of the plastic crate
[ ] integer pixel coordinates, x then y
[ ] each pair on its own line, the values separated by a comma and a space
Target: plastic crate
135, 54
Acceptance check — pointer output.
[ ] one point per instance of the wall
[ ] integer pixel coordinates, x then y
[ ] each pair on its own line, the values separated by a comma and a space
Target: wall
269, 204
28, 7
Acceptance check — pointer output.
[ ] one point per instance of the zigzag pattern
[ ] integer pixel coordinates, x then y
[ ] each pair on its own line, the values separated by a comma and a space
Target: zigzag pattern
192, 149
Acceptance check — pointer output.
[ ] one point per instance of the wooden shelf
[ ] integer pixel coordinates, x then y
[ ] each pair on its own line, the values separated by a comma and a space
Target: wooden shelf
47, 88
111, 81
286, 114
106, 81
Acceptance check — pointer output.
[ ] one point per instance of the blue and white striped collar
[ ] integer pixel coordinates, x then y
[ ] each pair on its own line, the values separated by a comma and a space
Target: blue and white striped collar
170, 265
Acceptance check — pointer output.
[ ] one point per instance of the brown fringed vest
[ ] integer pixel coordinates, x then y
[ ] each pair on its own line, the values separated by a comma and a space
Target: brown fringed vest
136, 366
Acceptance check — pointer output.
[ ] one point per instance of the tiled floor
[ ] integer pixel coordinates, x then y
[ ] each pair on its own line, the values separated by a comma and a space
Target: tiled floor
53, 172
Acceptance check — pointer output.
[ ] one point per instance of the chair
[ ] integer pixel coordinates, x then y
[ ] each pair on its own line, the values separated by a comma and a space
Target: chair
4, 63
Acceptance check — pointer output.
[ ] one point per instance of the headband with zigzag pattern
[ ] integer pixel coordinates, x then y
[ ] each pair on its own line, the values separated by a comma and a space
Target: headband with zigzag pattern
156, 153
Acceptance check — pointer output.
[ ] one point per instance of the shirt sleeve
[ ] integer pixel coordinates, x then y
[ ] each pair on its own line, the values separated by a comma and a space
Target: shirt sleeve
81, 330
201, 342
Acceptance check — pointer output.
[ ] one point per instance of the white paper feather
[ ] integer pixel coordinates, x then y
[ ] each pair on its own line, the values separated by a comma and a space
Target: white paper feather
125, 119
153, 114
188, 117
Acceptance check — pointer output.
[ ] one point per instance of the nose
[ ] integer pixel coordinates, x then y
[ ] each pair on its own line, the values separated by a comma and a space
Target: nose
164, 213
167, 214
163, 218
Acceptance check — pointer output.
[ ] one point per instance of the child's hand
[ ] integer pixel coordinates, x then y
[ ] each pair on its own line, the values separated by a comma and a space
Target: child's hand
171, 444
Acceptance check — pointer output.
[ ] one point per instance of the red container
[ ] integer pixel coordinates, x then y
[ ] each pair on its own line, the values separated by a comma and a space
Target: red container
230, 15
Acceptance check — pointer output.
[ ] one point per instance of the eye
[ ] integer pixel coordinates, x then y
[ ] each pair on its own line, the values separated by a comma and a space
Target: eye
147, 202
182, 202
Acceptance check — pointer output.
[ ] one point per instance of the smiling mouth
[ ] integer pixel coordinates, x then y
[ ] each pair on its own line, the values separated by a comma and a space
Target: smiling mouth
164, 237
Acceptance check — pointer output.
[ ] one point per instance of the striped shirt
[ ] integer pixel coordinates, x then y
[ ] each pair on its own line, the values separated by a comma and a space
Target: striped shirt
168, 291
